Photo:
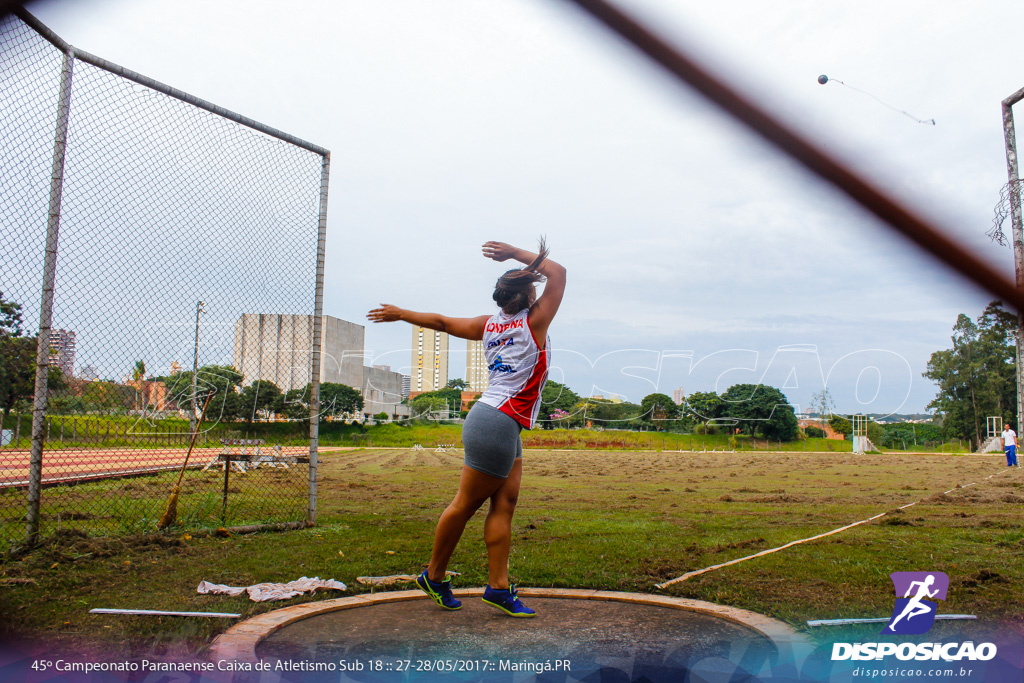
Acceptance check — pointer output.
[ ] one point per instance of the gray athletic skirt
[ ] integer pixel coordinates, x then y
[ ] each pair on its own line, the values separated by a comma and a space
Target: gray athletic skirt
491, 441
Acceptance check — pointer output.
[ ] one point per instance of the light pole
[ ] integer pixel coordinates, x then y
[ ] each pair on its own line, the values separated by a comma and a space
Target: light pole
195, 371
1018, 233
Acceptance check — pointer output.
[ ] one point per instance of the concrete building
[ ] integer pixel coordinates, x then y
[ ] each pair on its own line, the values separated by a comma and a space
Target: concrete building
62, 351
279, 348
476, 366
429, 360
406, 384
679, 395
382, 392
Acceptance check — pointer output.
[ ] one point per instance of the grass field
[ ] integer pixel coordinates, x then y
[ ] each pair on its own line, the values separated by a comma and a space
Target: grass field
612, 520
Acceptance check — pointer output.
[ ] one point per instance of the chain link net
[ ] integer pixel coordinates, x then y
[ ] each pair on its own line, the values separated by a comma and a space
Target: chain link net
1009, 197
176, 225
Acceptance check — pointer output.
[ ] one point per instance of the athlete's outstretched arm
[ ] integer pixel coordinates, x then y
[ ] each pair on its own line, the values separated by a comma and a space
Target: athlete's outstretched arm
544, 309
466, 328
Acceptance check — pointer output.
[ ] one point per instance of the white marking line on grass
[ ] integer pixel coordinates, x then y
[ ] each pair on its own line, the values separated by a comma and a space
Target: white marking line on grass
159, 613
690, 575
884, 620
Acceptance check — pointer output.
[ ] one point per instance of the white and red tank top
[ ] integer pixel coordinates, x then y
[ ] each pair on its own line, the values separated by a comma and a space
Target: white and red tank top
517, 366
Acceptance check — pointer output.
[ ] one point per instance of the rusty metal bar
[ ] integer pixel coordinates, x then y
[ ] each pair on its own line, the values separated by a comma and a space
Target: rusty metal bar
904, 220
1018, 234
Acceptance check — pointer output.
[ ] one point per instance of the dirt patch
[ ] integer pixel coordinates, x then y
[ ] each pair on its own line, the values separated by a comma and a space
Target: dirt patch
751, 543
939, 499
1015, 500
69, 545
778, 498
983, 576
895, 521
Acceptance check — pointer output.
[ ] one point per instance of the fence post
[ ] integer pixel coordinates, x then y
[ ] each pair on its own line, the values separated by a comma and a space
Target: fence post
318, 307
35, 476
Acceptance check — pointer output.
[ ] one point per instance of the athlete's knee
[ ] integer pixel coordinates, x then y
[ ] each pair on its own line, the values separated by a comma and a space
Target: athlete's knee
465, 505
504, 502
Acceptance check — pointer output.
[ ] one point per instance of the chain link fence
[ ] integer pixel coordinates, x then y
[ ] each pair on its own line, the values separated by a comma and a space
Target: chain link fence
139, 228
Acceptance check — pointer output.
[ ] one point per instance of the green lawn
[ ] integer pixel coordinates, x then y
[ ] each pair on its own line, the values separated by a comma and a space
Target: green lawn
615, 520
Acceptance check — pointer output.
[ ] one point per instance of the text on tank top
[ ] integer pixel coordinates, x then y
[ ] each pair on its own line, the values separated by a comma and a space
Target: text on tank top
516, 365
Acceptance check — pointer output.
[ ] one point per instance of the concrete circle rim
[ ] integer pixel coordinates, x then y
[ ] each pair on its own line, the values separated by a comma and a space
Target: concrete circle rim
239, 642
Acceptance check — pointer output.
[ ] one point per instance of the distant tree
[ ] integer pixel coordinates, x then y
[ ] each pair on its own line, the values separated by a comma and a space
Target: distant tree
657, 410
875, 433
138, 375
220, 380
459, 384
841, 425
336, 399
703, 406
823, 403
18, 363
431, 401
17, 372
611, 414
294, 404
556, 399
10, 318
258, 400
976, 378
761, 409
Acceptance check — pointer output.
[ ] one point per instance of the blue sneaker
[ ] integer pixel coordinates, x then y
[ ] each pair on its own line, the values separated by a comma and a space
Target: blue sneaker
441, 593
507, 601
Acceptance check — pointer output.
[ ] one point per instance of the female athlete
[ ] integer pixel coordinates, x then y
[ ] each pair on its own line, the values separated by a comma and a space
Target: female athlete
516, 347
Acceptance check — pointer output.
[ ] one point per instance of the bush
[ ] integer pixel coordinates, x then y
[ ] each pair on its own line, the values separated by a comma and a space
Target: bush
815, 432
381, 416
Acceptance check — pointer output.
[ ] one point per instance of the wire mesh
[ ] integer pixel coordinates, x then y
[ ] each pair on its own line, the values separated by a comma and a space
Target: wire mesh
176, 224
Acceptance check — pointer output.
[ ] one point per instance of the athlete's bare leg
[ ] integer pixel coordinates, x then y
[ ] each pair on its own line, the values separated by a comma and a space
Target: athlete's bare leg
474, 489
498, 527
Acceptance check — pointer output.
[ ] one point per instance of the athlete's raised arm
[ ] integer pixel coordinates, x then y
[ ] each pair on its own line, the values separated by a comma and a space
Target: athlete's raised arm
543, 310
465, 328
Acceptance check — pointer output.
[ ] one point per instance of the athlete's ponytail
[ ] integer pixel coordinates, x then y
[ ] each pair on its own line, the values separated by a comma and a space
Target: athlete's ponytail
513, 289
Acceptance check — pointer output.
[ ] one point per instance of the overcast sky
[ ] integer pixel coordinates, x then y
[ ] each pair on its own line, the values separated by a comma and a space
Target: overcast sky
697, 256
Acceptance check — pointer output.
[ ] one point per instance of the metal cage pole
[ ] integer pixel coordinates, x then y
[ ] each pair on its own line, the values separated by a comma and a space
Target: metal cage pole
318, 308
35, 476
1018, 232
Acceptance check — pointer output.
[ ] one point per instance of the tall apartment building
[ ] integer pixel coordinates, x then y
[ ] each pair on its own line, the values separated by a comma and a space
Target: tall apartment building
476, 366
429, 359
62, 351
679, 395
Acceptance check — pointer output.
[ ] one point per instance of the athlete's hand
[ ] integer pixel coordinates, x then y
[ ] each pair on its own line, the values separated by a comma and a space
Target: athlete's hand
385, 314
499, 251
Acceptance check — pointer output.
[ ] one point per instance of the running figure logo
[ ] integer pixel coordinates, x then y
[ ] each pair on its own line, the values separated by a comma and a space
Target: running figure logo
913, 614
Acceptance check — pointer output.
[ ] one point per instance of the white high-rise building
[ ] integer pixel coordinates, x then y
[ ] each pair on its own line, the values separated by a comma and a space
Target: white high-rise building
62, 351
429, 359
476, 366
679, 395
